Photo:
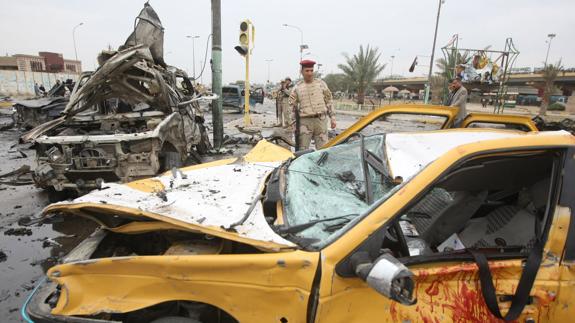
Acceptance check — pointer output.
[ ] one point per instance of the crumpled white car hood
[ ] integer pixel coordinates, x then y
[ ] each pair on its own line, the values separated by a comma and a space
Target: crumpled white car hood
216, 196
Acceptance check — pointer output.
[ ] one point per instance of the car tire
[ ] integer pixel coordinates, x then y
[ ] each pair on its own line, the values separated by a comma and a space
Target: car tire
175, 319
169, 160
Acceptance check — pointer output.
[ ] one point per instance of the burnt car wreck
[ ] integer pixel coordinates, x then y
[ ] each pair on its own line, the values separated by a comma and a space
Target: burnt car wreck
133, 117
34, 112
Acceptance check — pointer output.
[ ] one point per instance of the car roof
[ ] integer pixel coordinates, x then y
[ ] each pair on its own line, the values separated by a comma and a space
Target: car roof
408, 153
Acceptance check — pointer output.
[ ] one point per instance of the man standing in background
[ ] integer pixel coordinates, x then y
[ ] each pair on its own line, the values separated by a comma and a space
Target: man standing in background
283, 102
458, 98
36, 89
311, 106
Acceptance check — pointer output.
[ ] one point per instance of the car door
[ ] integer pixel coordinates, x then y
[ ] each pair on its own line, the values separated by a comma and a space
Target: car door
400, 118
566, 238
447, 286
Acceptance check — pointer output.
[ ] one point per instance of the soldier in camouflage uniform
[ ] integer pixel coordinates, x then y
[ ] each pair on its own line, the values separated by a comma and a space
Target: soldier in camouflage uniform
311, 100
283, 100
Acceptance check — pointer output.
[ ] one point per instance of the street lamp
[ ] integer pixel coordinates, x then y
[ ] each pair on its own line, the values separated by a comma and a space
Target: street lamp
551, 36
74, 38
193, 54
302, 46
392, 60
201, 78
428, 88
269, 61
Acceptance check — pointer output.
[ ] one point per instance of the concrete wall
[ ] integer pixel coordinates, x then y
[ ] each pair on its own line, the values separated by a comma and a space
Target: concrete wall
21, 83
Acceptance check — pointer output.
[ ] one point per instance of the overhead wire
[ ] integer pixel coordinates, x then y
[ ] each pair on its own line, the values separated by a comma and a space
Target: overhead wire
205, 58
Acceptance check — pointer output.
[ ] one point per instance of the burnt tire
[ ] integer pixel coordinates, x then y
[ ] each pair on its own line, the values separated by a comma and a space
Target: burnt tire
169, 160
175, 319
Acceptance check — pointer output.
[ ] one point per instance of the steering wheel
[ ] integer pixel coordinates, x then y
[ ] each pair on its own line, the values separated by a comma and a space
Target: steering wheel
398, 239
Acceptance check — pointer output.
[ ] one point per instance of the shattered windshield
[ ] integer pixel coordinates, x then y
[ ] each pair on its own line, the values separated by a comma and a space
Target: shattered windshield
327, 189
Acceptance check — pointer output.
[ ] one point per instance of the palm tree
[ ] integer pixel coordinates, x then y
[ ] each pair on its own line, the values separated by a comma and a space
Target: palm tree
549, 74
362, 69
446, 66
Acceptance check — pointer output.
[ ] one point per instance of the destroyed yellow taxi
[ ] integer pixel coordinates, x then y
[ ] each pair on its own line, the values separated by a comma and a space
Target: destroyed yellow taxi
421, 117
459, 225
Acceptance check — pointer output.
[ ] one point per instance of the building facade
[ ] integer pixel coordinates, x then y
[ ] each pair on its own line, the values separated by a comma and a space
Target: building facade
43, 62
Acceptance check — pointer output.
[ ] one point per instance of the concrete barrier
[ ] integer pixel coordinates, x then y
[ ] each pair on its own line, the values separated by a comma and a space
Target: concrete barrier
21, 83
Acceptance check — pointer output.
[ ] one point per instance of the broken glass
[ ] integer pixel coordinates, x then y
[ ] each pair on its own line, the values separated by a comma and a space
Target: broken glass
329, 183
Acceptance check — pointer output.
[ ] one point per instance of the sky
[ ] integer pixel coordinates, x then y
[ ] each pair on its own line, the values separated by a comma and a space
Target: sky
402, 29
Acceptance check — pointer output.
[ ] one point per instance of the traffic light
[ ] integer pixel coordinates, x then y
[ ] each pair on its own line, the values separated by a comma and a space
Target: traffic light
247, 32
244, 33
246, 37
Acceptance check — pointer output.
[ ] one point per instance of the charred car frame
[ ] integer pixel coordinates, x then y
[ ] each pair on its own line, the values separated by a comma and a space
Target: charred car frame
133, 117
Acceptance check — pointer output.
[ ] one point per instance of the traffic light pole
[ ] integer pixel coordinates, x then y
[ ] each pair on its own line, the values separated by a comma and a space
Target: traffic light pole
217, 120
247, 119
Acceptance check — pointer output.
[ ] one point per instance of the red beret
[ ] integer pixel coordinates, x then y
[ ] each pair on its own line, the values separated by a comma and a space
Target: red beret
307, 63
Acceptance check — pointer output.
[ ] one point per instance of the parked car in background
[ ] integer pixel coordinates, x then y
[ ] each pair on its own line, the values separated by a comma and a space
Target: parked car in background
233, 97
34, 112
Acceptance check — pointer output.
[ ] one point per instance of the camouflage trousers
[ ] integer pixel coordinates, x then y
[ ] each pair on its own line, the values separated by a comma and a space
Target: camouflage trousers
313, 128
285, 113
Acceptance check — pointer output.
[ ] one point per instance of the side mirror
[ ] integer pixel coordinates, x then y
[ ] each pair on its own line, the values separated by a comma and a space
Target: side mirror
387, 276
243, 93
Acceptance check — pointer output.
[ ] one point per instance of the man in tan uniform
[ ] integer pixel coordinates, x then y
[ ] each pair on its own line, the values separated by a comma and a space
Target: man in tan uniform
283, 101
310, 101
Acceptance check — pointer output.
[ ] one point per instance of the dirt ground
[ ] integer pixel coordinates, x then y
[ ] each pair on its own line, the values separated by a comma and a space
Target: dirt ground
26, 252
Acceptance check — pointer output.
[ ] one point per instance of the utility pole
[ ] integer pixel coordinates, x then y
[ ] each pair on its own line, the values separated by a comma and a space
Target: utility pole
193, 54
428, 87
551, 36
391, 71
74, 38
217, 121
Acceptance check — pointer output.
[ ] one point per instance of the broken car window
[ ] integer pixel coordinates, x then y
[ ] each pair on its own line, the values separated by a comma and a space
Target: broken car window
330, 183
496, 203
496, 125
404, 122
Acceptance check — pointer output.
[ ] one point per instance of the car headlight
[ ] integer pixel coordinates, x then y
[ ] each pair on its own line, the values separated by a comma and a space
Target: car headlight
55, 155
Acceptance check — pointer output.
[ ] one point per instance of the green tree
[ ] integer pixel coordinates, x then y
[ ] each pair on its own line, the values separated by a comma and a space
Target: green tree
336, 82
446, 65
549, 74
361, 70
